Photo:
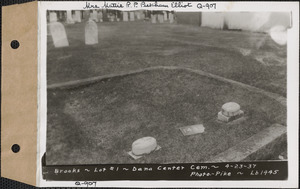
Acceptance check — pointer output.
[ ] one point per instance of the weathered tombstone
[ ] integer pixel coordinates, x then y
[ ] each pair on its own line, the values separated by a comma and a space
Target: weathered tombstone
230, 111
125, 16
165, 16
144, 145
77, 16
118, 16
69, 17
100, 16
60, 15
95, 16
192, 129
91, 33
153, 18
53, 17
86, 14
131, 16
142, 15
112, 18
171, 17
138, 15
160, 18
58, 34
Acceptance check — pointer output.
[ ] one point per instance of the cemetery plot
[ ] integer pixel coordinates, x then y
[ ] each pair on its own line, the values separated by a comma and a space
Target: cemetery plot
97, 123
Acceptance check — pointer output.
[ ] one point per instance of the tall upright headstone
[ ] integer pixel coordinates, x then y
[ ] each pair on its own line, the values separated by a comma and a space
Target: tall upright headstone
118, 16
95, 15
131, 16
69, 17
125, 16
100, 16
111, 17
138, 15
53, 17
86, 14
77, 16
58, 34
153, 18
91, 33
160, 18
142, 15
165, 15
171, 17
60, 15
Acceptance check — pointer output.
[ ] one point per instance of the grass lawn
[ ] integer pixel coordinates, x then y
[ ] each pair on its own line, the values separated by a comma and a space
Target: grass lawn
97, 123
251, 58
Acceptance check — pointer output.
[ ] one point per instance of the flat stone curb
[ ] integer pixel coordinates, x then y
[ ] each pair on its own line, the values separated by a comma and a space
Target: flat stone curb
258, 147
77, 83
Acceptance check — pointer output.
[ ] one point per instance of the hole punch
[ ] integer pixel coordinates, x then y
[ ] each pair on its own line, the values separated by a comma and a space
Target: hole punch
15, 148
14, 44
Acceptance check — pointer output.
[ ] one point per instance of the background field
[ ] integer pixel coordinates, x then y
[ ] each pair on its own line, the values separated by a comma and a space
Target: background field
251, 58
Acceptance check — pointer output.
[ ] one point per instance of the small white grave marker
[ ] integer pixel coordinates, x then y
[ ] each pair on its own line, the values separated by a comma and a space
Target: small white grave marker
70, 18
153, 18
138, 15
125, 16
131, 16
95, 16
77, 16
230, 111
91, 33
58, 34
165, 16
100, 16
53, 17
171, 17
160, 18
143, 146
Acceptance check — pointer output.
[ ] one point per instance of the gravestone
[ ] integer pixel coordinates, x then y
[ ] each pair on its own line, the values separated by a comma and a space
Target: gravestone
142, 15
138, 15
160, 18
171, 17
53, 17
131, 16
125, 16
69, 17
77, 16
86, 14
95, 16
153, 18
100, 16
192, 129
111, 17
230, 111
165, 16
91, 33
60, 15
118, 16
144, 145
58, 34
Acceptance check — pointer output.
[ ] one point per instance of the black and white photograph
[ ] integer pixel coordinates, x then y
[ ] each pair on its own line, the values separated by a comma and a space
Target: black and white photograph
165, 87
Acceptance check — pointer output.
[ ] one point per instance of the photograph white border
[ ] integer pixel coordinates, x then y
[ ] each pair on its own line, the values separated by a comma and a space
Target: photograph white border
292, 94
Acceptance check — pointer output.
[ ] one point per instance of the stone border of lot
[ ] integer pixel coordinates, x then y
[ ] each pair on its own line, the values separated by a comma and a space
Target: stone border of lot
261, 146
81, 82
